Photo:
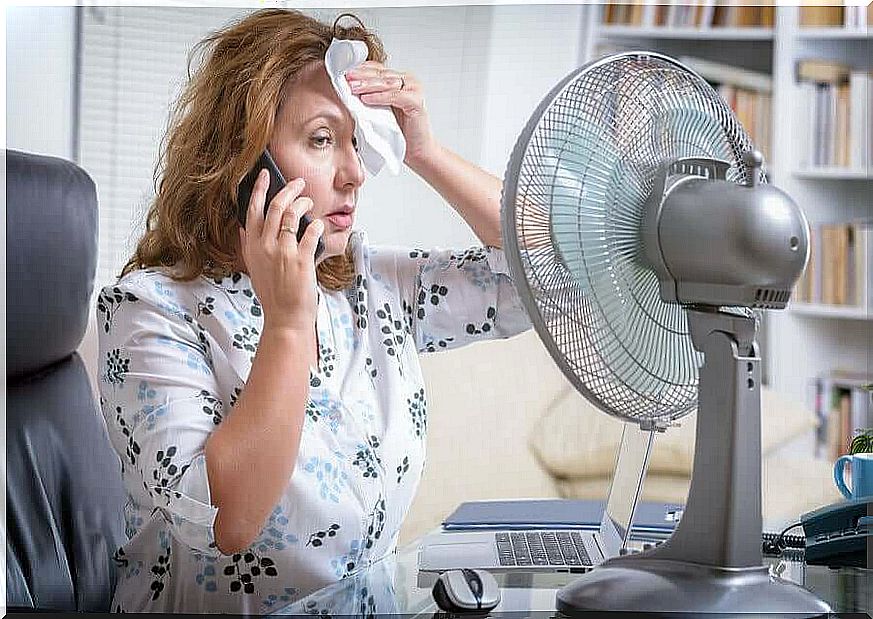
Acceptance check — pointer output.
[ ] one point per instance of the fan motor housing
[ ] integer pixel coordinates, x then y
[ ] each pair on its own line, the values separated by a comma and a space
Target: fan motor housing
724, 243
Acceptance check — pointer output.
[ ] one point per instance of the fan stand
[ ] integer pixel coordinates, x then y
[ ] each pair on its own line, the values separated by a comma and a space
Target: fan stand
713, 560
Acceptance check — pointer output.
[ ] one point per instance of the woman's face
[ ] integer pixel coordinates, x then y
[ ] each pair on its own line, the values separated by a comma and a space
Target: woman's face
313, 139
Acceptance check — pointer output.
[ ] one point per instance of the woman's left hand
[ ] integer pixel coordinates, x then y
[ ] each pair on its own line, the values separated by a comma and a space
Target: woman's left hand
376, 84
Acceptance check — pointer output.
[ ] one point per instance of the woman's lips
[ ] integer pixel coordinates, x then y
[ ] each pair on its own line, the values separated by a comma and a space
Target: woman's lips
340, 220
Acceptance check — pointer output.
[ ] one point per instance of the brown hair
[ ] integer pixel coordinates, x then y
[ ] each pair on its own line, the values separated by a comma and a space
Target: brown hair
218, 128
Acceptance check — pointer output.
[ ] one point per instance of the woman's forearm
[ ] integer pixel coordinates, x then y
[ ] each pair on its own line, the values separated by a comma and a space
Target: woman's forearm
471, 191
250, 457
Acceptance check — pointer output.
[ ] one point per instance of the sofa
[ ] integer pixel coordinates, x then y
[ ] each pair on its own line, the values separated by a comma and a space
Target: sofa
504, 422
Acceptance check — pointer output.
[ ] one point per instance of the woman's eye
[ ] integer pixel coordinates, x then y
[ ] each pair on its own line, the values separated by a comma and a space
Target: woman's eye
321, 141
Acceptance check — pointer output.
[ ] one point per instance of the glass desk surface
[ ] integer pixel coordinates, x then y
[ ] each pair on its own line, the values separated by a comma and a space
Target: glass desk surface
394, 586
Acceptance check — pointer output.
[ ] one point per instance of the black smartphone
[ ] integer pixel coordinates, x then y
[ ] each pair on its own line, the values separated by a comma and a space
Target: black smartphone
277, 181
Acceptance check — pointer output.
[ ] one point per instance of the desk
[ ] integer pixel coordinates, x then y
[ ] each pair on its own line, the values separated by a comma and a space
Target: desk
393, 586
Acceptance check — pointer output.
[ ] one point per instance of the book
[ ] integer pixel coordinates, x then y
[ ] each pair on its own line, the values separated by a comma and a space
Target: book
861, 407
822, 71
841, 127
859, 120
727, 74
707, 11
863, 259
650, 517
842, 407
806, 113
821, 15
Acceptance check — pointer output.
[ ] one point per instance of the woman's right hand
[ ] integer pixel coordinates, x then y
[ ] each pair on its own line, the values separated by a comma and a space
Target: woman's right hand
281, 269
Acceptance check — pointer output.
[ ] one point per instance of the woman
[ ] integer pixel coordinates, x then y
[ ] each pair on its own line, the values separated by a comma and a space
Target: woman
269, 413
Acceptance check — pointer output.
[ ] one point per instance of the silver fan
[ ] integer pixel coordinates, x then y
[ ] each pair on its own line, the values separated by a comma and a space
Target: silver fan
642, 237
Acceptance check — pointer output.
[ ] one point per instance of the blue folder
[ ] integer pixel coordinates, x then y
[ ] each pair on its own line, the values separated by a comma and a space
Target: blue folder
650, 518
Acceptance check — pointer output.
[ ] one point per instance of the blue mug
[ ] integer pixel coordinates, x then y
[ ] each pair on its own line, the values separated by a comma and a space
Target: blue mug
862, 475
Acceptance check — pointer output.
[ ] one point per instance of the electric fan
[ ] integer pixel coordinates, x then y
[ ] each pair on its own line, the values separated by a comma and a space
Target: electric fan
642, 238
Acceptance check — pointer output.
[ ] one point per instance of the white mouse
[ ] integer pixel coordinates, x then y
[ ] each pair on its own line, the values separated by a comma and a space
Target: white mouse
466, 591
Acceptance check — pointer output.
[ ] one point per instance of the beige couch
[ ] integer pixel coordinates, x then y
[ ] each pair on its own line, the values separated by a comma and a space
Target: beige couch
504, 422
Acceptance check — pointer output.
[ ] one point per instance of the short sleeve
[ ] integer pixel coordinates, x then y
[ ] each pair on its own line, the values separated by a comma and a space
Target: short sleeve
452, 298
160, 400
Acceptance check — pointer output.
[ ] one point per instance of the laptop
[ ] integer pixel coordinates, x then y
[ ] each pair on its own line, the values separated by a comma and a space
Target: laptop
573, 548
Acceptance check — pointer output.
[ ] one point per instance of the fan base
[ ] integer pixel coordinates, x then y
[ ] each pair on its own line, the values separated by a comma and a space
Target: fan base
653, 586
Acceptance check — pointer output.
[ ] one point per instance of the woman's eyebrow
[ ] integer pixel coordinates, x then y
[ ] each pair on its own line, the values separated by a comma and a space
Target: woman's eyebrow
331, 117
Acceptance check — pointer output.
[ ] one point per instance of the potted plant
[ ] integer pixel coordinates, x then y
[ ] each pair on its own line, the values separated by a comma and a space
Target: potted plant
862, 442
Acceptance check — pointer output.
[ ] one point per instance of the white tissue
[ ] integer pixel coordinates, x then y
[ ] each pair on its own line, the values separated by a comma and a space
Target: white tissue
380, 141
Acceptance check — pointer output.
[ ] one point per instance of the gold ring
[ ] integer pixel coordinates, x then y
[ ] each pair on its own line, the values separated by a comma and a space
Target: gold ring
286, 229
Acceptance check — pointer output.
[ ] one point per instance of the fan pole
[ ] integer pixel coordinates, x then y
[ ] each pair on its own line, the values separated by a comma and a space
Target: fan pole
713, 560
721, 525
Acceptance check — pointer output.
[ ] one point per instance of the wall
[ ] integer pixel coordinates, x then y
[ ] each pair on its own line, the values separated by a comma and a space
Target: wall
40, 59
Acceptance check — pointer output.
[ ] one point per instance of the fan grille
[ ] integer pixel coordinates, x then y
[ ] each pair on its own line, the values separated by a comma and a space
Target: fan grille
576, 189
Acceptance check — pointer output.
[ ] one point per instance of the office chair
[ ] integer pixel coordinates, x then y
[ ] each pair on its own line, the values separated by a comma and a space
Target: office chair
64, 492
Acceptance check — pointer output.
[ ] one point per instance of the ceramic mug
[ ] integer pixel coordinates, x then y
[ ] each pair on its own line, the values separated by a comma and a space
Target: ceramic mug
862, 475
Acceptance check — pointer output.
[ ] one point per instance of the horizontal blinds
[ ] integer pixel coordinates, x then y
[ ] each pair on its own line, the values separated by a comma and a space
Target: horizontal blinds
134, 63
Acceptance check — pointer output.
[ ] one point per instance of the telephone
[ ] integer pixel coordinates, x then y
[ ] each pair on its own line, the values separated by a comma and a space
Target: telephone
277, 181
840, 534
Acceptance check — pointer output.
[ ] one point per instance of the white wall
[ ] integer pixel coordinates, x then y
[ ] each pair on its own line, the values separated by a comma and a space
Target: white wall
484, 70
40, 60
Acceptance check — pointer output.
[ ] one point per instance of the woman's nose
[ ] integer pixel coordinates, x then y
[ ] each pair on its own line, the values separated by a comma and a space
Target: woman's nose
351, 169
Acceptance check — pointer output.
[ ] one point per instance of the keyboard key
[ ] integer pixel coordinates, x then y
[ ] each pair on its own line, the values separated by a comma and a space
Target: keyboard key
550, 542
576, 537
520, 549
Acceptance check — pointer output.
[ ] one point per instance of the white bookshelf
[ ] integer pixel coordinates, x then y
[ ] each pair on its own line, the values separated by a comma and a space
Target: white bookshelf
805, 340
708, 34
808, 33
839, 174
821, 310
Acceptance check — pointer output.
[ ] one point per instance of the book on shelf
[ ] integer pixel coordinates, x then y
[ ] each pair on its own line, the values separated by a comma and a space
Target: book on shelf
858, 16
720, 73
840, 266
842, 407
689, 14
746, 92
821, 15
834, 107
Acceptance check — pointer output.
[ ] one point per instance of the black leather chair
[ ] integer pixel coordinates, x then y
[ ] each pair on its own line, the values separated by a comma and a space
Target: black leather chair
64, 494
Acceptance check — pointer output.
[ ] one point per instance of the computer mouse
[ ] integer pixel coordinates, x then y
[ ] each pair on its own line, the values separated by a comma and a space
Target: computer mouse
466, 591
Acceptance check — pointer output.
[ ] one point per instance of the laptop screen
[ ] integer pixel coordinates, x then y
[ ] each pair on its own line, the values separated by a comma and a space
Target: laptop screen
626, 486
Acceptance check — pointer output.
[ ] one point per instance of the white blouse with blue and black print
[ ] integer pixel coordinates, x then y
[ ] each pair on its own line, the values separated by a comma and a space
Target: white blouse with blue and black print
174, 357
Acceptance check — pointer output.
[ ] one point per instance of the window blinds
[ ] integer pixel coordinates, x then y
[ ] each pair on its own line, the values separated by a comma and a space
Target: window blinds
133, 65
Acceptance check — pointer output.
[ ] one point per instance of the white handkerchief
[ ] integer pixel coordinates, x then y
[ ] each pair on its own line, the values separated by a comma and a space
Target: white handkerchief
380, 141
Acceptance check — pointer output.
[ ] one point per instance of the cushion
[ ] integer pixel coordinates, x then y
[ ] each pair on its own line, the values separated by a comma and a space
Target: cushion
781, 479
574, 439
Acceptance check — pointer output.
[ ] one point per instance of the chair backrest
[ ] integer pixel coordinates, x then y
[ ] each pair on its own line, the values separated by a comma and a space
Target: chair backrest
64, 493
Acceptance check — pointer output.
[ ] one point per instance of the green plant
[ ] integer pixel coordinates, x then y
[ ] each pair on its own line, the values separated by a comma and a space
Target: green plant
863, 441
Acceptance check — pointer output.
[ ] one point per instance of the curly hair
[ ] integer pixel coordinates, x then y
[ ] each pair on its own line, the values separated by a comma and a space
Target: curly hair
218, 128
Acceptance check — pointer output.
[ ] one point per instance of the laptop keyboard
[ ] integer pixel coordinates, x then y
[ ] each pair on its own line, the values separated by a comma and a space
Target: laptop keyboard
541, 548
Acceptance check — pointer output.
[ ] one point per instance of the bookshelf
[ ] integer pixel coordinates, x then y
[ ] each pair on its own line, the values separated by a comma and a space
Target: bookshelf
836, 174
833, 33
708, 33
823, 310
806, 346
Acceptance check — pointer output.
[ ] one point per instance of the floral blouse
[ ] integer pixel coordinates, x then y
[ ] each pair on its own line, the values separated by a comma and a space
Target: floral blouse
174, 358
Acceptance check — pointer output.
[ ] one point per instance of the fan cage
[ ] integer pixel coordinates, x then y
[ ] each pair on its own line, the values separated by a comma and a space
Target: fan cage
574, 198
